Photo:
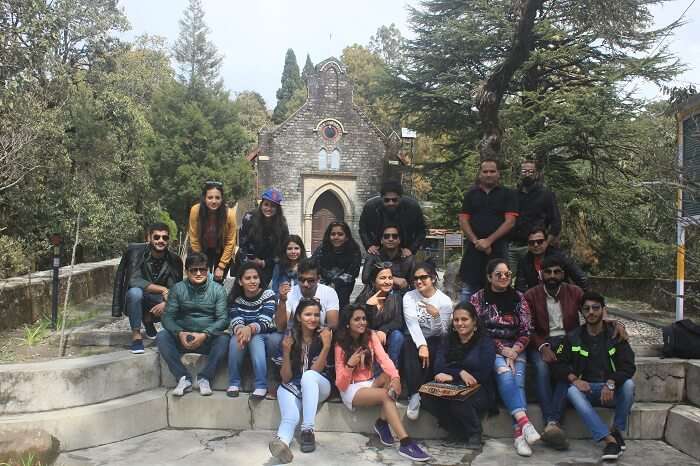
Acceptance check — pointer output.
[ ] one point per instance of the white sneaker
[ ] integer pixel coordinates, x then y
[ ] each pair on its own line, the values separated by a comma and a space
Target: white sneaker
521, 446
183, 386
413, 410
530, 433
204, 387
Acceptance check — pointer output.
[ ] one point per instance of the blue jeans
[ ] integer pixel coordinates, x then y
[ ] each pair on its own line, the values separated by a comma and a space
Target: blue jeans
551, 401
465, 294
315, 389
170, 350
511, 386
584, 402
260, 346
138, 302
394, 346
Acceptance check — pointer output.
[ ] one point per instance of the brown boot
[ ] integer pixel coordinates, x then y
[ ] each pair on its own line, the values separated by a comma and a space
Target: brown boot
555, 437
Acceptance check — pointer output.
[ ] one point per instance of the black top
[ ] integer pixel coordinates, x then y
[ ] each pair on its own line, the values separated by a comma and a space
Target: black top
528, 276
390, 318
487, 211
408, 216
538, 206
597, 354
338, 266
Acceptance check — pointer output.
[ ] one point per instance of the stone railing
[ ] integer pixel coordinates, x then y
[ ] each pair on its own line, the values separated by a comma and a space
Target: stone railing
27, 298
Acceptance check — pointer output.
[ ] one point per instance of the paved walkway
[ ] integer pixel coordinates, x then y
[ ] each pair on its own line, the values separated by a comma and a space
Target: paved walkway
219, 447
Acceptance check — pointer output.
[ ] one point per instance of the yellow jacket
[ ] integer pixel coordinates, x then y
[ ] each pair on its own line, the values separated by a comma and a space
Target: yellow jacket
230, 235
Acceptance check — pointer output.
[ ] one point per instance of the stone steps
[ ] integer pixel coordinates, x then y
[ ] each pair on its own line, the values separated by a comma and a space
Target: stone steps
100, 423
683, 429
66, 383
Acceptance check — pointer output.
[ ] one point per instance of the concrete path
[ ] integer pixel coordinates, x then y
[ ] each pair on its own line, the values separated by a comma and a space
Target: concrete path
219, 447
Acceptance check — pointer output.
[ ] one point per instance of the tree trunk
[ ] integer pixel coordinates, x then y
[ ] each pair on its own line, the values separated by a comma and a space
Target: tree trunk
490, 93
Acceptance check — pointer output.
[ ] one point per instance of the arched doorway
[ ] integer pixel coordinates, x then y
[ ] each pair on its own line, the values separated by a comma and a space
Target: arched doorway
327, 210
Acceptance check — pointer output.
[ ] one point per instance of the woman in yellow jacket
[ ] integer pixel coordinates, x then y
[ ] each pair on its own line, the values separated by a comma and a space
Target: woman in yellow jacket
213, 229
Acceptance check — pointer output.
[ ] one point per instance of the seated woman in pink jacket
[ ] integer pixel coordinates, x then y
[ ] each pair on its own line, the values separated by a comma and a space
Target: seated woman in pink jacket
357, 349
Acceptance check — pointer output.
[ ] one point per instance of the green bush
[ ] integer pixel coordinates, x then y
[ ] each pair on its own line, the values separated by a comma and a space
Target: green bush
13, 260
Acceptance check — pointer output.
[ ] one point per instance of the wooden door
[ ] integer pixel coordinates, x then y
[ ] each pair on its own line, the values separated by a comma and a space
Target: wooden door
327, 210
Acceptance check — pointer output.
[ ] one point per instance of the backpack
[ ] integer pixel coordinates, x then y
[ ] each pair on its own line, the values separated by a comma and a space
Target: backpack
682, 339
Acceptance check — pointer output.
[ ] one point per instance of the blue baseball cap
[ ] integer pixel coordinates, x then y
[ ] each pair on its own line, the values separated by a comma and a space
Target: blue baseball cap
273, 195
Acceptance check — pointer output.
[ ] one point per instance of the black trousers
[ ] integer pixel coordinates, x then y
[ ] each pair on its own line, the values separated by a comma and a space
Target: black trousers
414, 373
461, 419
472, 270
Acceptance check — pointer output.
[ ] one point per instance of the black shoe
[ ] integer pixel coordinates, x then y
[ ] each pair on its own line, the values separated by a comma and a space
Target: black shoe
308, 441
618, 438
474, 442
611, 451
151, 331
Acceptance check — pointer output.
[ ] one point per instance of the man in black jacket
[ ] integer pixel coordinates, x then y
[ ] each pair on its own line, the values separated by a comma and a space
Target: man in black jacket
401, 267
146, 272
395, 208
538, 206
529, 272
599, 369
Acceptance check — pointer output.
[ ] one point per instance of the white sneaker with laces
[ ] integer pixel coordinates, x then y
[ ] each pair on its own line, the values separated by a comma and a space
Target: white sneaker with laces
183, 386
413, 409
204, 387
530, 433
521, 446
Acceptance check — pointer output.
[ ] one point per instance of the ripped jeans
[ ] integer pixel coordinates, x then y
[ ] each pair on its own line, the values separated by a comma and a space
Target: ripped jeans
511, 386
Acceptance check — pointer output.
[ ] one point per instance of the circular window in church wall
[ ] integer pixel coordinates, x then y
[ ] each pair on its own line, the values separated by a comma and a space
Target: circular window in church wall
330, 130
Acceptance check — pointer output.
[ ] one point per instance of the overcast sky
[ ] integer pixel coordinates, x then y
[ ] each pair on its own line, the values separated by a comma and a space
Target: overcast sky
254, 35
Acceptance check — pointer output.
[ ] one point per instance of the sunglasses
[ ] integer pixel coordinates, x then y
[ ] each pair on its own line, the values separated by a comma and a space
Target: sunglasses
197, 270
391, 200
383, 265
421, 277
591, 307
307, 280
535, 242
506, 274
159, 237
390, 236
217, 184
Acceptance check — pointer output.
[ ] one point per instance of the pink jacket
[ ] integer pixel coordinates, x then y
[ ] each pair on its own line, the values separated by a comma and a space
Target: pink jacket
345, 375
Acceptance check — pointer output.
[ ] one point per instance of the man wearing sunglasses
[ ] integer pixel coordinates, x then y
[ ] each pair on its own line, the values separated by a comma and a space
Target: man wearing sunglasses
530, 267
194, 322
538, 206
598, 366
395, 208
145, 275
391, 252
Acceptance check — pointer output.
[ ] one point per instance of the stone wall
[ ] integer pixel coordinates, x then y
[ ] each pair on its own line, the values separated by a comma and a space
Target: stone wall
657, 292
27, 298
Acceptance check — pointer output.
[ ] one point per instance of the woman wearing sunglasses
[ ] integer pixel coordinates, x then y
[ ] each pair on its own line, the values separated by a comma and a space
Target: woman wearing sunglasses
339, 258
385, 309
506, 317
212, 229
427, 312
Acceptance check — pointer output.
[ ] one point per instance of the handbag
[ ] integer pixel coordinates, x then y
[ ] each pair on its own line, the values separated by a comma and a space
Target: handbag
448, 391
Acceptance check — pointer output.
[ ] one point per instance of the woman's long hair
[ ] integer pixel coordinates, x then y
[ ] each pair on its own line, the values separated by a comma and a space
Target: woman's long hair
275, 227
350, 245
297, 335
221, 216
455, 348
343, 337
237, 289
284, 261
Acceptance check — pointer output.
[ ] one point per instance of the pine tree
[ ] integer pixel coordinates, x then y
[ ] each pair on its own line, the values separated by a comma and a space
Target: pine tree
198, 59
291, 82
308, 69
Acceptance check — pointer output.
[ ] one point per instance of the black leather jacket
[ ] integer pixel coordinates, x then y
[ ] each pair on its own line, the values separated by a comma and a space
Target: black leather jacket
528, 277
130, 267
409, 217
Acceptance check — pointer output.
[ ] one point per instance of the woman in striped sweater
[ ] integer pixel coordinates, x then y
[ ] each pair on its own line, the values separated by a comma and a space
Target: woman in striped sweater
251, 310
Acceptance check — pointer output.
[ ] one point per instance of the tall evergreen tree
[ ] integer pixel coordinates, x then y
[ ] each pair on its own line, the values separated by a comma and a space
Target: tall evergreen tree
308, 69
197, 57
291, 83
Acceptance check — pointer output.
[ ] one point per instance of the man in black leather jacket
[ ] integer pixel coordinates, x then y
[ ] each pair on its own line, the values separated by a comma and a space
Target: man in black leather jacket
145, 274
392, 207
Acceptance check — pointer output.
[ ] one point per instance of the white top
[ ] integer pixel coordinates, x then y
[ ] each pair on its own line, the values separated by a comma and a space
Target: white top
419, 321
326, 295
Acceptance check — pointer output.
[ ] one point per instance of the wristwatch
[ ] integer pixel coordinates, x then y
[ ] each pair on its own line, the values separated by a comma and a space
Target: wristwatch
610, 385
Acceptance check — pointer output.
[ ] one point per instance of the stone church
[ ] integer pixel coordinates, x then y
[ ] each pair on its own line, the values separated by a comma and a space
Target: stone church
327, 158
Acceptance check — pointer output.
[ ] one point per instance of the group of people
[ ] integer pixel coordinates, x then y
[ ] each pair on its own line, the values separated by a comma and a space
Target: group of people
294, 313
